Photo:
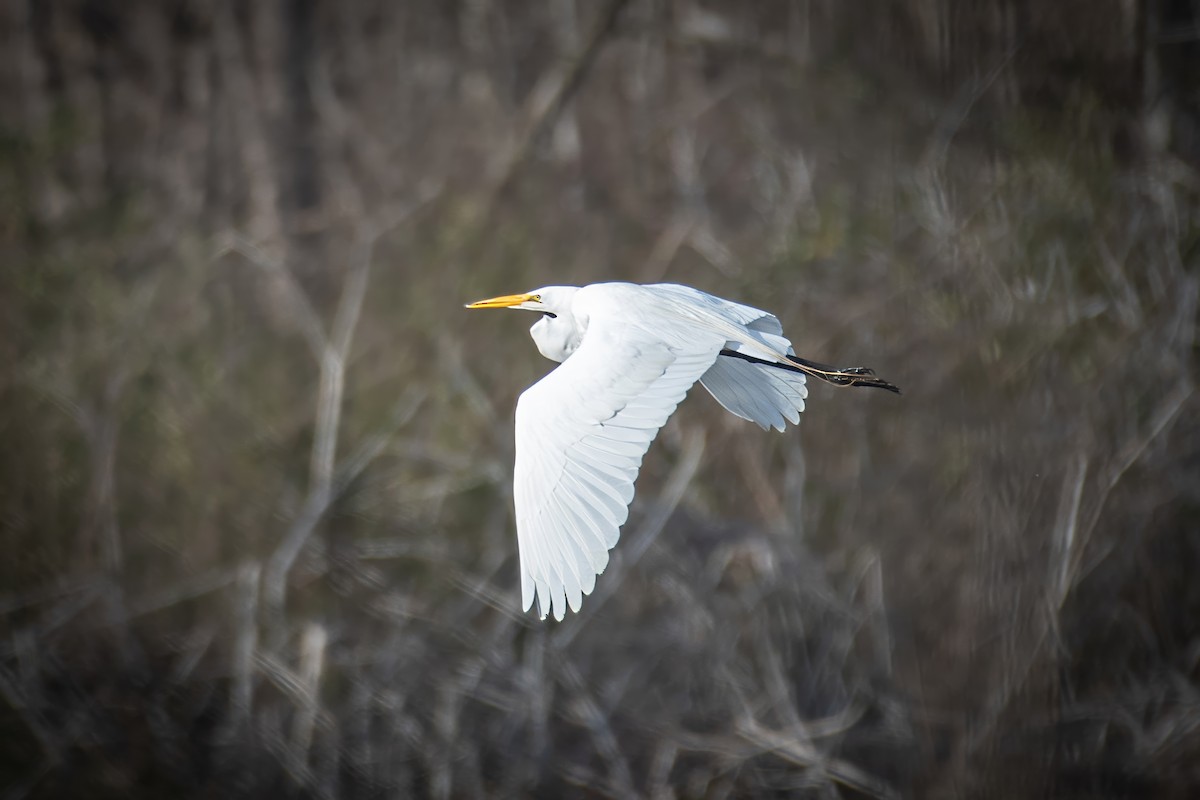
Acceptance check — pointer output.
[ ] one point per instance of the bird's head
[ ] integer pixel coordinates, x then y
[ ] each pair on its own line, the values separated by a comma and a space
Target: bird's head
551, 300
558, 333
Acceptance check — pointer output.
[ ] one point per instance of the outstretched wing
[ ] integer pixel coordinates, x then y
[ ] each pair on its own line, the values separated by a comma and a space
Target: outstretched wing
581, 433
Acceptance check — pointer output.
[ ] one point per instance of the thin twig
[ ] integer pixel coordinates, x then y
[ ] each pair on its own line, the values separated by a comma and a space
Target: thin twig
1068, 551
57, 616
332, 353
280, 562
282, 678
245, 644
302, 310
551, 95
318, 502
802, 754
666, 752
447, 720
666, 248
181, 591
333, 369
34, 597
597, 725
1132, 451
101, 426
312, 663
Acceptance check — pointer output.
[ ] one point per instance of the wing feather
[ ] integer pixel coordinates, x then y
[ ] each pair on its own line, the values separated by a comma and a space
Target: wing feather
766, 325
581, 433
763, 394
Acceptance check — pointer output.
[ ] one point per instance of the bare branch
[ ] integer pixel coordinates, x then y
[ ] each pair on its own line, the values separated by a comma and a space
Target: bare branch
245, 645
1129, 454
312, 663
305, 315
666, 247
551, 95
182, 591
332, 353
1067, 549
34, 597
101, 427
597, 725
802, 754
317, 503
333, 369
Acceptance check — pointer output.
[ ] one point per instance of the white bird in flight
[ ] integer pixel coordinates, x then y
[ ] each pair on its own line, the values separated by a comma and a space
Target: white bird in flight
629, 353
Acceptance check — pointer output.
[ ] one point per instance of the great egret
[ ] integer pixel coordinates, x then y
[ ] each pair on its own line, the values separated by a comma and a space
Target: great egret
629, 353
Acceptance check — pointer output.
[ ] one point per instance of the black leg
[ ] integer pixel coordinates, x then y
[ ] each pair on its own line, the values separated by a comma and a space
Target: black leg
849, 376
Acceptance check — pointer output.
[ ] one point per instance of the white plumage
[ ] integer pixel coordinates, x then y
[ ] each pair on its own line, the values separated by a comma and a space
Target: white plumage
629, 354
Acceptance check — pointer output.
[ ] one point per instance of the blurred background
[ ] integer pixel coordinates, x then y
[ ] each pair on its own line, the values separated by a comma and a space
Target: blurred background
255, 482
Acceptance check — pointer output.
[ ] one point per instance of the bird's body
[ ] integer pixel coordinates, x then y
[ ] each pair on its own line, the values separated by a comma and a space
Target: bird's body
629, 353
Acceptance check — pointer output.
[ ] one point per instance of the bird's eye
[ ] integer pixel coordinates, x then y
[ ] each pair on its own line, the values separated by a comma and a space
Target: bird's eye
537, 298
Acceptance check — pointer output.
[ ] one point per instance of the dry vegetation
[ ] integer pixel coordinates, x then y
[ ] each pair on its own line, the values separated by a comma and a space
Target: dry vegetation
254, 490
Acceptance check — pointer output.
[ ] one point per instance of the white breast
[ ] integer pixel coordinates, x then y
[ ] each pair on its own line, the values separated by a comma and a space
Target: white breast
557, 337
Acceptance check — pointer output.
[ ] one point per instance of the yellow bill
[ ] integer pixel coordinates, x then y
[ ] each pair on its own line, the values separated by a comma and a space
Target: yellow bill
504, 301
